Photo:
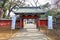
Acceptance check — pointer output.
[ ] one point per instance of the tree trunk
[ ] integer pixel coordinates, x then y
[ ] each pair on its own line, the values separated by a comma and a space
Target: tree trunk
1, 13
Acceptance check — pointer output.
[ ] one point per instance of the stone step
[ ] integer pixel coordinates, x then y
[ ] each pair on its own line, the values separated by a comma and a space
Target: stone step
30, 26
32, 30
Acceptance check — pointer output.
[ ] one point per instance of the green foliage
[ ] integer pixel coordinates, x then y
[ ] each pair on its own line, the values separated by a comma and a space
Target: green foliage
6, 6
4, 15
43, 16
1, 4
50, 13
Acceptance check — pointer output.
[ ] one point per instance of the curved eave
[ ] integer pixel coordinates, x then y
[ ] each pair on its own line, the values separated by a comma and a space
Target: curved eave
29, 13
29, 10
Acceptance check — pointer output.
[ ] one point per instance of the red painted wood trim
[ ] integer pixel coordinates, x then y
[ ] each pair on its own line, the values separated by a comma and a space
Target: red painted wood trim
32, 17
7, 23
20, 23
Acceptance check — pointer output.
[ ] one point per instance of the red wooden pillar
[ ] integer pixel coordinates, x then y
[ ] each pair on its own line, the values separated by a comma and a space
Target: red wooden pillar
21, 22
38, 23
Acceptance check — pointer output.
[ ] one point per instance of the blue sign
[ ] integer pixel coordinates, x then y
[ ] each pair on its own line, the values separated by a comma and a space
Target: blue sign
50, 22
13, 22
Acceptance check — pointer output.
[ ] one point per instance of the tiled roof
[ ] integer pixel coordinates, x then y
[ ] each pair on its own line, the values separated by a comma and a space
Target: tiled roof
29, 10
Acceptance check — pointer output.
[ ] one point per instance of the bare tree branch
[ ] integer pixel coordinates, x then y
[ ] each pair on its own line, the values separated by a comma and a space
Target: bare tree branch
57, 2
31, 4
35, 2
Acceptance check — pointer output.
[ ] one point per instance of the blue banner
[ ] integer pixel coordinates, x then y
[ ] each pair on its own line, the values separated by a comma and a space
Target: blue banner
13, 22
50, 22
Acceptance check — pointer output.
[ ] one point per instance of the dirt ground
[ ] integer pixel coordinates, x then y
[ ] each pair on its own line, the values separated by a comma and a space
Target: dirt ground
5, 34
53, 34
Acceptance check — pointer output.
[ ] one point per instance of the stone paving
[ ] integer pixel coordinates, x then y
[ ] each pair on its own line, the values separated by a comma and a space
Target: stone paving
29, 34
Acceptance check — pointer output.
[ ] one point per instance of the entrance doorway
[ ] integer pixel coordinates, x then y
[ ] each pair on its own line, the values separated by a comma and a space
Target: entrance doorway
29, 23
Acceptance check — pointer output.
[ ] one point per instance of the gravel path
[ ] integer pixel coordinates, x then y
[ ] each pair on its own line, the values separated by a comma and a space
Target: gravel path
29, 34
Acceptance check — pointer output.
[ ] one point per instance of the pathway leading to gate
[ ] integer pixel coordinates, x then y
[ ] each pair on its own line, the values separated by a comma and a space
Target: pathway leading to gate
29, 34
